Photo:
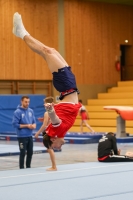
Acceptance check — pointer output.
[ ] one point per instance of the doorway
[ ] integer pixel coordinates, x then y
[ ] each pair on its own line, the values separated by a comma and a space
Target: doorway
126, 62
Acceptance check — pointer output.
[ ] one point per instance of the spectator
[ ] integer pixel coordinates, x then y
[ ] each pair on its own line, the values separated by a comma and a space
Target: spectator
24, 122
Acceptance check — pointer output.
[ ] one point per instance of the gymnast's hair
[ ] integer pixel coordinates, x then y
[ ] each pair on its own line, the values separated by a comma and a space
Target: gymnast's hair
49, 100
46, 140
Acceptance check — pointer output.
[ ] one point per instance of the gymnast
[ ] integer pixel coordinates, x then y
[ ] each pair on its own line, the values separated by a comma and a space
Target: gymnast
46, 121
84, 116
63, 114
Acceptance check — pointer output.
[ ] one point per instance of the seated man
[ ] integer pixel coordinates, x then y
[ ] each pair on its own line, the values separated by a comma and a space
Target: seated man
108, 152
63, 114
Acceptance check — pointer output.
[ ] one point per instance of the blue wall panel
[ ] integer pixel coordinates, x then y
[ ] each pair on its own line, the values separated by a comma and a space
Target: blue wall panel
9, 103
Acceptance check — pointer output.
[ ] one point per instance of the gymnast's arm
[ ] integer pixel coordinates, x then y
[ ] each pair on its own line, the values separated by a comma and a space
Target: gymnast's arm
44, 125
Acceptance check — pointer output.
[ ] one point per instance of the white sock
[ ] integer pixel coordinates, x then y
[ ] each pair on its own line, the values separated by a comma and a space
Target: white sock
23, 33
18, 27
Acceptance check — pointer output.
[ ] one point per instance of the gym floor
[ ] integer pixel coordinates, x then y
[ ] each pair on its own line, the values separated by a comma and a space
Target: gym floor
79, 175
70, 154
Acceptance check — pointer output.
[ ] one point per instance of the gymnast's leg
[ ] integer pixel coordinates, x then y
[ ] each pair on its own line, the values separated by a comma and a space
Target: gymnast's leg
63, 82
54, 60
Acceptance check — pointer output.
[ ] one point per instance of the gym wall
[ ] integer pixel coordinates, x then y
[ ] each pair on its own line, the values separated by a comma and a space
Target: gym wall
87, 34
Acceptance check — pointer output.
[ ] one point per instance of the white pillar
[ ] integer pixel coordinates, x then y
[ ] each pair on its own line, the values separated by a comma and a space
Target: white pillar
120, 127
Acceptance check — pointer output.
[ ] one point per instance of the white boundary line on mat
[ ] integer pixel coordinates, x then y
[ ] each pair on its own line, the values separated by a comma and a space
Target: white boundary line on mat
63, 171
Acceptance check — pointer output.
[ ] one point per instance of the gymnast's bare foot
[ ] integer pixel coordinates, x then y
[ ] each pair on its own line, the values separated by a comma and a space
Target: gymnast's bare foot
51, 169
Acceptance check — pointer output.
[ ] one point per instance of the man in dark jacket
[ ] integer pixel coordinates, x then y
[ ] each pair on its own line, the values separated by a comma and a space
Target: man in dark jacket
108, 152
